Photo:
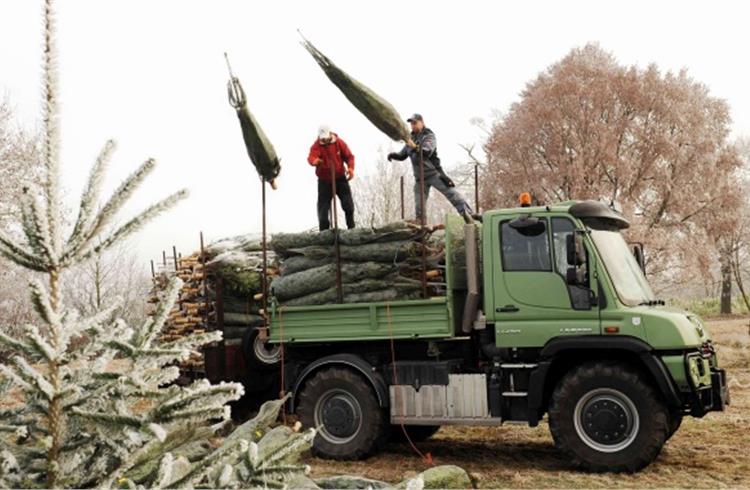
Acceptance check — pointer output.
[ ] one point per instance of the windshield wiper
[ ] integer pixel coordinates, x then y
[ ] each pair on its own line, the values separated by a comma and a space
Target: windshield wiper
652, 302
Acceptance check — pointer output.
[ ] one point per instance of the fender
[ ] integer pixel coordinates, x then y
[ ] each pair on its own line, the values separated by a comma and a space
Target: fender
557, 347
352, 361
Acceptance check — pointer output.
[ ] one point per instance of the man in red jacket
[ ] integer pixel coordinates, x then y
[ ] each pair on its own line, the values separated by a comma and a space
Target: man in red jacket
330, 151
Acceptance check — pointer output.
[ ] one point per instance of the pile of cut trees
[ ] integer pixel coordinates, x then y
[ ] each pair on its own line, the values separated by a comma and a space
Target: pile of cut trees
235, 282
377, 264
223, 283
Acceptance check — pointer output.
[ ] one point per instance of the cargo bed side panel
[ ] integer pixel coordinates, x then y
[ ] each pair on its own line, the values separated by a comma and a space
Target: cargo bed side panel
362, 321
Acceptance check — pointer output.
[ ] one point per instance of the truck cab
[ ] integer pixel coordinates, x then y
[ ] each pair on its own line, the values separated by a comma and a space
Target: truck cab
547, 312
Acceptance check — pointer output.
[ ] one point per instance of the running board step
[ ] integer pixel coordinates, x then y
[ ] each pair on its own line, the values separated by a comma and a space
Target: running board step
484, 421
518, 366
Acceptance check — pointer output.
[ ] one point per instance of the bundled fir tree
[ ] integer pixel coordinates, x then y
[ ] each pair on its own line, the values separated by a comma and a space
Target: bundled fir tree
88, 401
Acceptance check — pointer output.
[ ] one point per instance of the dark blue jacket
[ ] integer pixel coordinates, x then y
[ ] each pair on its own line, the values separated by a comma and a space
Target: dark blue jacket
425, 140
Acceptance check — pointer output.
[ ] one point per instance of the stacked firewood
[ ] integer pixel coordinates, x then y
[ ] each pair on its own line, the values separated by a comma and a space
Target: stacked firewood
192, 311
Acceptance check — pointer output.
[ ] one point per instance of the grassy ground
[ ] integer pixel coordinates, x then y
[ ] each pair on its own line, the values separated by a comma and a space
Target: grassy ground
711, 452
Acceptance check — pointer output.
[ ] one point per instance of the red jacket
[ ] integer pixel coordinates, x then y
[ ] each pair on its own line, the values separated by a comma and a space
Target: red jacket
336, 152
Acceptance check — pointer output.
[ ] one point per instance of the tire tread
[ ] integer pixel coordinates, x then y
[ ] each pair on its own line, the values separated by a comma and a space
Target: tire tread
566, 390
376, 436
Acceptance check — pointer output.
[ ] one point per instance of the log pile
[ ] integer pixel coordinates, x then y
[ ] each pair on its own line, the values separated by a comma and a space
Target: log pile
191, 311
222, 288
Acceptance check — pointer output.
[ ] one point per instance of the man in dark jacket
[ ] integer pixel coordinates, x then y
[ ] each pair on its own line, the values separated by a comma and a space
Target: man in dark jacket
423, 138
329, 151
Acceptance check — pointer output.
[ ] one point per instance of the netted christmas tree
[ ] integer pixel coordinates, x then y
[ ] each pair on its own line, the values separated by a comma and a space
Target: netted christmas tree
89, 401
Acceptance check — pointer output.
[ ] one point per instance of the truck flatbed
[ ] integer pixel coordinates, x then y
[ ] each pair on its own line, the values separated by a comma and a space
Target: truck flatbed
430, 318
409, 319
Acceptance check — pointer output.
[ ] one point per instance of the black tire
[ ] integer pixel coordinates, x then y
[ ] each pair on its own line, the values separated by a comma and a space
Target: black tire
417, 433
258, 354
606, 417
675, 420
343, 405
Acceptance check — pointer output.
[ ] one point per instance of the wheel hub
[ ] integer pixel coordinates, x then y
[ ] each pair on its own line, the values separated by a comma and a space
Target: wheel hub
269, 354
340, 416
606, 420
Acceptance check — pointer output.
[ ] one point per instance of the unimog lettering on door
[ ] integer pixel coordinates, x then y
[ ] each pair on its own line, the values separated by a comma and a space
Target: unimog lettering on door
562, 323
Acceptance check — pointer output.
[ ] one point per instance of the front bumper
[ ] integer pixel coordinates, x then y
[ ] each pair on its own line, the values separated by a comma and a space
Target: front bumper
713, 397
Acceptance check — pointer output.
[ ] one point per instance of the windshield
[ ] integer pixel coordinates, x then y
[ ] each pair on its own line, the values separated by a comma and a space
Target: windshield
630, 283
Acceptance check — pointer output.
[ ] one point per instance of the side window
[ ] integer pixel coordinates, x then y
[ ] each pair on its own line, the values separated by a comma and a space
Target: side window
525, 249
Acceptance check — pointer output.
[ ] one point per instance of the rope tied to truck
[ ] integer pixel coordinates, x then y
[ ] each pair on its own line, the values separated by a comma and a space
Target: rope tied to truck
426, 457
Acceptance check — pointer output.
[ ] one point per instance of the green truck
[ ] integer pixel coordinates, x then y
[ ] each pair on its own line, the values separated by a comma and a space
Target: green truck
547, 311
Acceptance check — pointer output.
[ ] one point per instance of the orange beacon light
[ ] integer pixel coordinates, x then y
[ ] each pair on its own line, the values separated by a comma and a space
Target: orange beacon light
525, 199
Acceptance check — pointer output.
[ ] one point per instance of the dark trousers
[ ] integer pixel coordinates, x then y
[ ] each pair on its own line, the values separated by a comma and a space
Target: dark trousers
325, 195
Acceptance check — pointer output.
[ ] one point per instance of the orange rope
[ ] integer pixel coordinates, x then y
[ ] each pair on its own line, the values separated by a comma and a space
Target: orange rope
427, 458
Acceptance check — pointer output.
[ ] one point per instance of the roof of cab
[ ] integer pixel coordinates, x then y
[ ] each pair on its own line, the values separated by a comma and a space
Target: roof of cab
578, 209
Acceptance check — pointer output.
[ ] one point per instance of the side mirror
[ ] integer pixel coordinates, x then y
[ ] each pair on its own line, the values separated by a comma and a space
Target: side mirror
576, 256
574, 250
639, 256
575, 276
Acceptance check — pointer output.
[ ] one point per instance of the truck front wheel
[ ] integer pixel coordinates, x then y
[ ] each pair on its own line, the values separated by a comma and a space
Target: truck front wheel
675, 420
343, 406
606, 417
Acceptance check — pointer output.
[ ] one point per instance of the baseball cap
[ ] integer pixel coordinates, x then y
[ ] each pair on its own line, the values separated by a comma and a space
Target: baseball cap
415, 117
324, 132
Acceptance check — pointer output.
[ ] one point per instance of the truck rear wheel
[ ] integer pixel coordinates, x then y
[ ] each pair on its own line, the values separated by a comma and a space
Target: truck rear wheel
258, 353
607, 418
417, 433
342, 404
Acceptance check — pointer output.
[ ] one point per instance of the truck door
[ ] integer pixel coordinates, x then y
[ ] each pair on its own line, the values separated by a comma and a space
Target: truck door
532, 300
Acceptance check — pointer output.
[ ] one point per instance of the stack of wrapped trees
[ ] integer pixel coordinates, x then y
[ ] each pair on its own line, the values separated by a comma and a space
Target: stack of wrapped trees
189, 313
377, 264
235, 267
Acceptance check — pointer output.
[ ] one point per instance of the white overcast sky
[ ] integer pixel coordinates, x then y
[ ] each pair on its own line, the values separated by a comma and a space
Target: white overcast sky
151, 75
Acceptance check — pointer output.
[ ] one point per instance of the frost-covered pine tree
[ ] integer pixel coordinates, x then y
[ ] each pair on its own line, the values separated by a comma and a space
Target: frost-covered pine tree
86, 401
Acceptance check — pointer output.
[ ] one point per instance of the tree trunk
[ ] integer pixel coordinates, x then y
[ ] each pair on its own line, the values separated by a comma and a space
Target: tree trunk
736, 268
726, 283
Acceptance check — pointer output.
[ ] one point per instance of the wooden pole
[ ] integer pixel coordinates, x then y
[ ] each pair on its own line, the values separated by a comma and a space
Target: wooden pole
264, 275
174, 256
476, 187
153, 271
403, 215
337, 247
204, 283
423, 221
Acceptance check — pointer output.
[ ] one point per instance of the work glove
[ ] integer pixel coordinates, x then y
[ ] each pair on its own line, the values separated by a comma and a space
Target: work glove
447, 180
317, 162
350, 174
392, 156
